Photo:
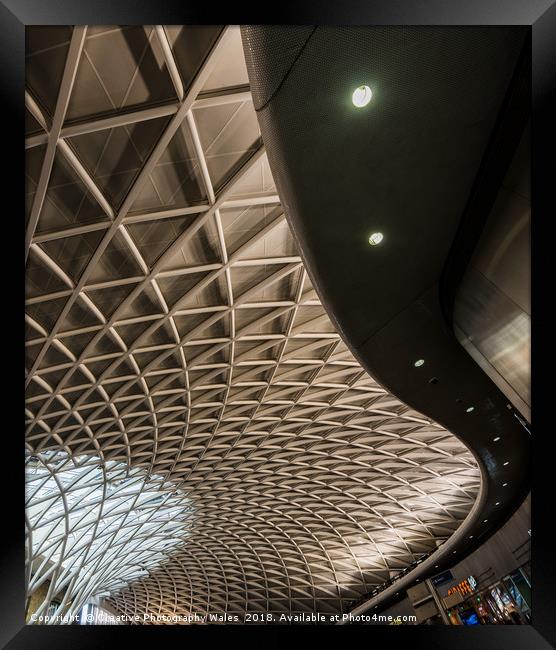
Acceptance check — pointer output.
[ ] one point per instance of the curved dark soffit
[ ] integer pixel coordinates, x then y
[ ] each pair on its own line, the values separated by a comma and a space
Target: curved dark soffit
420, 164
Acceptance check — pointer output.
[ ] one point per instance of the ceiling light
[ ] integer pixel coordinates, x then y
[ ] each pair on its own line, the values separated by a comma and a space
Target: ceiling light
470, 536
376, 238
506, 463
471, 408
419, 363
497, 503
484, 522
496, 439
361, 96
504, 484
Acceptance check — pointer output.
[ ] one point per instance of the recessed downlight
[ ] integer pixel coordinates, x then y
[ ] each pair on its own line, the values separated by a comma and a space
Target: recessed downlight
470, 536
484, 521
419, 363
504, 484
496, 439
469, 409
506, 463
376, 238
361, 96
497, 503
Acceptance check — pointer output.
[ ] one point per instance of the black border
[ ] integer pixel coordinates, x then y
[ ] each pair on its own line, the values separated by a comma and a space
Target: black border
541, 16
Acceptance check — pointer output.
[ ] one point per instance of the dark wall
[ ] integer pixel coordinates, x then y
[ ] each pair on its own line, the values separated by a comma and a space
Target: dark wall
492, 310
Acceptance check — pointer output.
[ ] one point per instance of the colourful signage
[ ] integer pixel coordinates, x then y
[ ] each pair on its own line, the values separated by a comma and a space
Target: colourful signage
465, 587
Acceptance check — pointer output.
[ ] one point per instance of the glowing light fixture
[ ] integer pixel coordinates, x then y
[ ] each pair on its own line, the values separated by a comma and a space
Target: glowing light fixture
419, 363
471, 408
361, 96
376, 238
496, 439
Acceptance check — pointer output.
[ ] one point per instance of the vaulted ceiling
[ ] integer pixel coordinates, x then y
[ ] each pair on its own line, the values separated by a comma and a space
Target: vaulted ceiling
174, 338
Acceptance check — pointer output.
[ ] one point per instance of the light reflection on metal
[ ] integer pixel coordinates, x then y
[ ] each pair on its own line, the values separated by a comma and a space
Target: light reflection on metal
94, 526
195, 348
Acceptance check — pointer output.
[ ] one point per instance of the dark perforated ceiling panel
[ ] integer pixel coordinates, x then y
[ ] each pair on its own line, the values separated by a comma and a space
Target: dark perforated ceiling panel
405, 166
447, 104
270, 55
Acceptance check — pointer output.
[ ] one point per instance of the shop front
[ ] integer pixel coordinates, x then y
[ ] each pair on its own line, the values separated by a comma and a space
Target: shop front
505, 602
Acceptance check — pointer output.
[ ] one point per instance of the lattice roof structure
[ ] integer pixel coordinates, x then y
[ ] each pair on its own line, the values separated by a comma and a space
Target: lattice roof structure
172, 330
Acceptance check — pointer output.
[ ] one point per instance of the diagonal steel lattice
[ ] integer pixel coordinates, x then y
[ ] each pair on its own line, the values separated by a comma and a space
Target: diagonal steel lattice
174, 340
93, 527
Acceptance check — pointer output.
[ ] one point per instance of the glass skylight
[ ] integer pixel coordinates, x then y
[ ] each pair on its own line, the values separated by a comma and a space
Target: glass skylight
95, 526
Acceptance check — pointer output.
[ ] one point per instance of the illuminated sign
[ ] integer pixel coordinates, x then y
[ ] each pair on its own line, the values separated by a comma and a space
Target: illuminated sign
464, 587
441, 578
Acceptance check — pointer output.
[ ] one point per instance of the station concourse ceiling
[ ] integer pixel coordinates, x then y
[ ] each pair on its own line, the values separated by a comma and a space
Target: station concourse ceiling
176, 348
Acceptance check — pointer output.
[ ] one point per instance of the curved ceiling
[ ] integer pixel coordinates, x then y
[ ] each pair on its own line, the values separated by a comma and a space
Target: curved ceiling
420, 164
172, 329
